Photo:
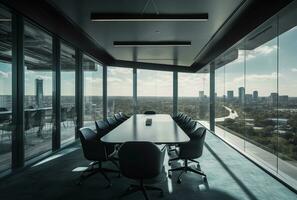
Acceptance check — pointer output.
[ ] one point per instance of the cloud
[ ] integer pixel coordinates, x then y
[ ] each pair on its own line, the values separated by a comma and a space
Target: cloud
3, 74
294, 69
255, 77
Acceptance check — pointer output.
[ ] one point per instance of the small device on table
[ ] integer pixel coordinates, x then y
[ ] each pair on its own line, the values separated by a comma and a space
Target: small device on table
148, 122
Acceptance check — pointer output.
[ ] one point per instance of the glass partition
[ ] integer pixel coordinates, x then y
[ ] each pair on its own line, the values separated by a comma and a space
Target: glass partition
154, 91
93, 91
38, 121
68, 110
193, 95
119, 90
5, 90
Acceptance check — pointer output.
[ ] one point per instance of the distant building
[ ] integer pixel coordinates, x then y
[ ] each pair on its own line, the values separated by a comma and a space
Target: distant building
248, 98
255, 95
241, 95
201, 94
39, 92
230, 94
283, 99
273, 98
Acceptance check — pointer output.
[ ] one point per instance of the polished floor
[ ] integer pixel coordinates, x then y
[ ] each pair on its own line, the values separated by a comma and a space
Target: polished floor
229, 176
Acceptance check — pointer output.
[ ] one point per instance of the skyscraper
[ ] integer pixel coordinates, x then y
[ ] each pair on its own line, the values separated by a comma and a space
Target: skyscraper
273, 98
39, 92
241, 95
230, 94
255, 95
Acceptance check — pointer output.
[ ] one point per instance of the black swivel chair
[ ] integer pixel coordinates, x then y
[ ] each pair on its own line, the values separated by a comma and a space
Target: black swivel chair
119, 118
190, 151
103, 128
95, 151
189, 126
124, 115
141, 161
112, 122
149, 112
177, 116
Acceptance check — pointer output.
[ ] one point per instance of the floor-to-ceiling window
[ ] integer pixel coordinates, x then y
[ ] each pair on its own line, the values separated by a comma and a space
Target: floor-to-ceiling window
154, 91
261, 78
68, 110
93, 91
38, 111
193, 95
287, 99
119, 90
230, 107
5, 89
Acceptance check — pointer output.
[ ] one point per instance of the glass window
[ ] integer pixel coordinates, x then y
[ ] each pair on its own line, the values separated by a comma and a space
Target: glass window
68, 110
5, 90
38, 121
287, 99
232, 107
193, 95
261, 77
220, 111
119, 90
154, 91
93, 86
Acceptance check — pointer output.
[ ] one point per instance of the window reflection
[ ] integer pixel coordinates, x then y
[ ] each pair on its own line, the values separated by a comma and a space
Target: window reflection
5, 90
38, 121
68, 110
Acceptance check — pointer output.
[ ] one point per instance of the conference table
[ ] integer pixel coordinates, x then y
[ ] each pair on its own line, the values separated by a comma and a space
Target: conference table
163, 130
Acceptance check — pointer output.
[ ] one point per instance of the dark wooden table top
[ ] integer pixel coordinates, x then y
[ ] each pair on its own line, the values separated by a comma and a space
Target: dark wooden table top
163, 130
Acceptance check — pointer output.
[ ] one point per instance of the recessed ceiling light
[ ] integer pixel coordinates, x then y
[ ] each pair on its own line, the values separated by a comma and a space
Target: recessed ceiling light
151, 43
126, 17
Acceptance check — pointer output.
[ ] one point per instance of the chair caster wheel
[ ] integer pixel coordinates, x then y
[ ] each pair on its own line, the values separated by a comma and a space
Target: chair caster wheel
179, 181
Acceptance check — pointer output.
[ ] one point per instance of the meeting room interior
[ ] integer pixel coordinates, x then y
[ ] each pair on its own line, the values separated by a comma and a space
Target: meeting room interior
148, 99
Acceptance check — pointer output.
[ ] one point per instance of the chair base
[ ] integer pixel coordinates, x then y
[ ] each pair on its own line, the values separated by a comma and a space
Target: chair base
186, 169
92, 170
143, 188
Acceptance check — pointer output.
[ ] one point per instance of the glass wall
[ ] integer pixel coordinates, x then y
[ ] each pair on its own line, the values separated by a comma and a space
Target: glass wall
38, 121
193, 95
154, 91
93, 91
68, 110
119, 90
5, 90
260, 96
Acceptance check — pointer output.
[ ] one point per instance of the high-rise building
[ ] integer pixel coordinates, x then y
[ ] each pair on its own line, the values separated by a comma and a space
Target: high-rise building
201, 94
255, 95
248, 98
273, 98
230, 94
39, 92
241, 95
283, 100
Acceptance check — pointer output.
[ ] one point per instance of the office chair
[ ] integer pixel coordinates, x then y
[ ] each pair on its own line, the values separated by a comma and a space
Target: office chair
112, 122
149, 112
189, 126
103, 128
124, 115
190, 151
94, 150
141, 161
177, 116
119, 118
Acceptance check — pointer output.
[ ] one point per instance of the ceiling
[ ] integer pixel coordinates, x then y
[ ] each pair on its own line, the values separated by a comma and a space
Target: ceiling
199, 33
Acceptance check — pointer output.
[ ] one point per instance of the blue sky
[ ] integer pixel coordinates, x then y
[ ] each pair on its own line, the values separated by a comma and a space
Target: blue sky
261, 75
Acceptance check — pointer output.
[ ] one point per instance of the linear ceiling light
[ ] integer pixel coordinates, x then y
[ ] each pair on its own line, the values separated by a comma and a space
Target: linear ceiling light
125, 17
151, 43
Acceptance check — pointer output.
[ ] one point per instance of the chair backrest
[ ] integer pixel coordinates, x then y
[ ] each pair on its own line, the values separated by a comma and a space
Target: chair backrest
102, 127
119, 118
124, 115
188, 128
194, 148
181, 118
140, 160
112, 122
93, 148
149, 112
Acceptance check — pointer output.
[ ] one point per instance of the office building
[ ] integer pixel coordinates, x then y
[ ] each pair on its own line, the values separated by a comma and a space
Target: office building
230, 94
241, 95
255, 95
148, 99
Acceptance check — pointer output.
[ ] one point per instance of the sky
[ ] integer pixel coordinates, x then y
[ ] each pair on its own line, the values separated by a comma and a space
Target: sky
261, 75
